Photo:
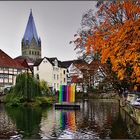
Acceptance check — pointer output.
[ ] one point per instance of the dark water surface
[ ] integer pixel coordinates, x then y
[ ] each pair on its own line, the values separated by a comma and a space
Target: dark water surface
97, 119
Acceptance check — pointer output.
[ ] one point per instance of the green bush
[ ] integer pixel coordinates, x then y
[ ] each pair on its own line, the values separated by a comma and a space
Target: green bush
44, 88
28, 90
44, 101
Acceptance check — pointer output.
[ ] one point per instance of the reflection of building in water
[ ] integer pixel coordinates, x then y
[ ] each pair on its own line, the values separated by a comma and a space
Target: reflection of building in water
7, 128
49, 123
100, 111
57, 123
97, 115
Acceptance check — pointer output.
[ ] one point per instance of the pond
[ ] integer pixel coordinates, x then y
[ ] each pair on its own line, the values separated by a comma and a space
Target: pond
96, 119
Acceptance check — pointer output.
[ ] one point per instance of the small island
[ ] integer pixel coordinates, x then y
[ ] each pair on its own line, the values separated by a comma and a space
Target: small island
29, 91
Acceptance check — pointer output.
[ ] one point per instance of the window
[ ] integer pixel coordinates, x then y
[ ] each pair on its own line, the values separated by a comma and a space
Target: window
45, 61
57, 85
37, 67
19, 71
54, 76
29, 52
64, 72
5, 68
64, 80
55, 63
57, 77
4, 76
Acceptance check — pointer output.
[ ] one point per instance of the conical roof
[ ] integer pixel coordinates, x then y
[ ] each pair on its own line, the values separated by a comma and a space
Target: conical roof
30, 31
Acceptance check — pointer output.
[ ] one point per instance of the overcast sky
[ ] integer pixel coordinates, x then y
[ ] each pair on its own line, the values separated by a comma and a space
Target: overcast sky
56, 23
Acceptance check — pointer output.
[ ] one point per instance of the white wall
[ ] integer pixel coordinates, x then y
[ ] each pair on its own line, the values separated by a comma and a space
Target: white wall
45, 71
56, 77
73, 70
53, 75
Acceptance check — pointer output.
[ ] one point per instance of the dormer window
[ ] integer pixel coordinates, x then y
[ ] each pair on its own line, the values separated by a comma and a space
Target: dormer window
55, 63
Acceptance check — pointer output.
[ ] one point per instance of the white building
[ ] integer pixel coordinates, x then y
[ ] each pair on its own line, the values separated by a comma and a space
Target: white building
82, 72
52, 71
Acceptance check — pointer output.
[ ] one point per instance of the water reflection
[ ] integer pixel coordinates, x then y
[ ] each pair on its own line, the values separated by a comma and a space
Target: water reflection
7, 126
93, 121
57, 124
97, 119
67, 120
27, 120
132, 128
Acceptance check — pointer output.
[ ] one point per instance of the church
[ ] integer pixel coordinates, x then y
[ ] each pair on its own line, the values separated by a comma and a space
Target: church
51, 70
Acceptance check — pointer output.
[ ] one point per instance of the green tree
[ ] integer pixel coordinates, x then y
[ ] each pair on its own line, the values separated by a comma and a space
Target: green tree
26, 88
44, 87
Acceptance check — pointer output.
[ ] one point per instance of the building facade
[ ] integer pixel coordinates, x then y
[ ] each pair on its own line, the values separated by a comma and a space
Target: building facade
52, 71
9, 69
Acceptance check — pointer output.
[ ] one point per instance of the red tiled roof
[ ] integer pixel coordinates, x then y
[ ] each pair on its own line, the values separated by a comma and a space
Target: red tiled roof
93, 66
76, 79
21, 62
7, 61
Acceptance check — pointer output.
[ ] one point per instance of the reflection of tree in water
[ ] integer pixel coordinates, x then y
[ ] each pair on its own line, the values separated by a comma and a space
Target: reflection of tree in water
97, 117
27, 120
133, 129
7, 127
119, 129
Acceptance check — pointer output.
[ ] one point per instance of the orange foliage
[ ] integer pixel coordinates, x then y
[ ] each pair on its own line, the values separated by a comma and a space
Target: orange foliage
118, 38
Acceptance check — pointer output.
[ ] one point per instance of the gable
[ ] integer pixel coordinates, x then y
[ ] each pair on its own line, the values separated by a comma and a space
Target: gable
45, 61
73, 69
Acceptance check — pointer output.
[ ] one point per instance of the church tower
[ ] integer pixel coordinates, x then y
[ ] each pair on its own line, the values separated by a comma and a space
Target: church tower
31, 43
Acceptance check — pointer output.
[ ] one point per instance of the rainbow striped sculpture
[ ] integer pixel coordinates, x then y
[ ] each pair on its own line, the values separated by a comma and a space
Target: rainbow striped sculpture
67, 93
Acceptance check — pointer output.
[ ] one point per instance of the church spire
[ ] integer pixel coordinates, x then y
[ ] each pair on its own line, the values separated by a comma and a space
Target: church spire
30, 31
31, 43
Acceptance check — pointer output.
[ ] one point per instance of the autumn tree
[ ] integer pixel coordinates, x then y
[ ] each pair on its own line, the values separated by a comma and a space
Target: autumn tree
117, 38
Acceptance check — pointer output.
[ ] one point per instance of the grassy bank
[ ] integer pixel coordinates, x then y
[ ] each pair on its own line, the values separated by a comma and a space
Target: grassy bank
43, 101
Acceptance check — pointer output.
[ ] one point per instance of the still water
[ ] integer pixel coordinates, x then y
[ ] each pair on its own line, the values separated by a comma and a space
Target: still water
96, 119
